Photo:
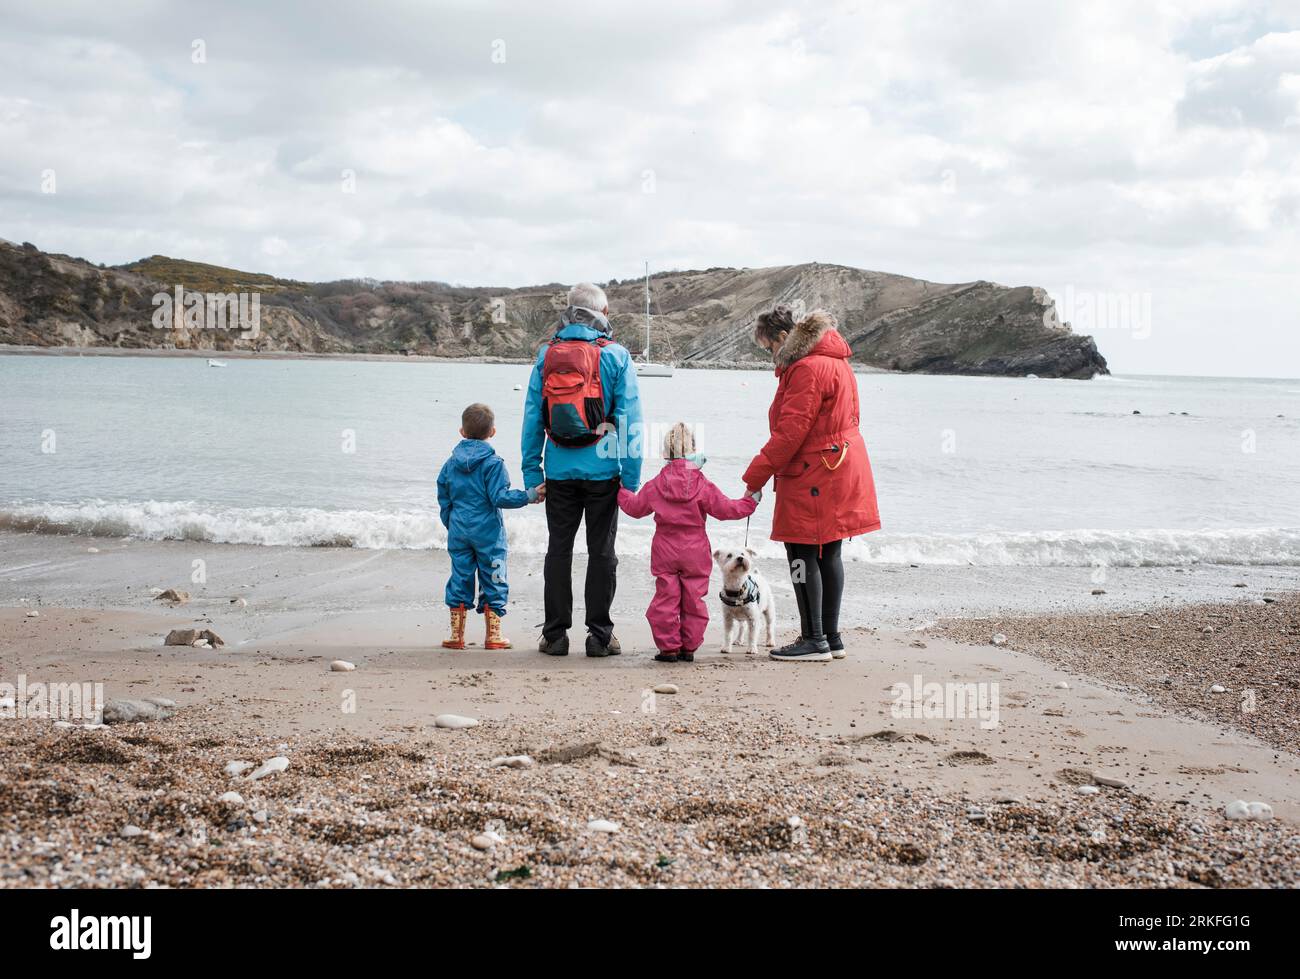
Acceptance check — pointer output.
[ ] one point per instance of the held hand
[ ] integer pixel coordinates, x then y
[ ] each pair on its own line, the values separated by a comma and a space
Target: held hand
756, 496
541, 493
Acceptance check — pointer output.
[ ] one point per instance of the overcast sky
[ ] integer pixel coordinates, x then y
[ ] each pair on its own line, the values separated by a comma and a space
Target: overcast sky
1142, 154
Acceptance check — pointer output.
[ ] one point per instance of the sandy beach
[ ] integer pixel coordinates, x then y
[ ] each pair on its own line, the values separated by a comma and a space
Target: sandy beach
1095, 773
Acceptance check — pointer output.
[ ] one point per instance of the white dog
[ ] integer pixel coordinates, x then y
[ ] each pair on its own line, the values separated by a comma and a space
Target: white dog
746, 599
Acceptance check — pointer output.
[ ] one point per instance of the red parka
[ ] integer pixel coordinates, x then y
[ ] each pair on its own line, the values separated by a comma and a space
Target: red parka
824, 488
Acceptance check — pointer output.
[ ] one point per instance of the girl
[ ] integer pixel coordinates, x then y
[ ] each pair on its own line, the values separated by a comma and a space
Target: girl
681, 558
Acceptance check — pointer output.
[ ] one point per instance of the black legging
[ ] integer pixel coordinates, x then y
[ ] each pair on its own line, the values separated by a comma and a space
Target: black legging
817, 573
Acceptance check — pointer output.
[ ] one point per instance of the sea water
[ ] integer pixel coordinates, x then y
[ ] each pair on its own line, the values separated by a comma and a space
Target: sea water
1116, 471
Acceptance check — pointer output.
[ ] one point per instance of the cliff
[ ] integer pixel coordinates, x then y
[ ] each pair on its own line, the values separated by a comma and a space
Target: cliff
890, 321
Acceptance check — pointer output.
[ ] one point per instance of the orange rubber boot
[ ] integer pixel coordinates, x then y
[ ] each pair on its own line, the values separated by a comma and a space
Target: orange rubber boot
494, 638
457, 640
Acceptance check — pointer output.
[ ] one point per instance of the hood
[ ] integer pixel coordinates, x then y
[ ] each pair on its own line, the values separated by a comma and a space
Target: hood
587, 317
469, 453
680, 480
816, 333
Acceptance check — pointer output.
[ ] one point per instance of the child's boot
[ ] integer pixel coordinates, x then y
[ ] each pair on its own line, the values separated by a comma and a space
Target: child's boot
494, 638
457, 640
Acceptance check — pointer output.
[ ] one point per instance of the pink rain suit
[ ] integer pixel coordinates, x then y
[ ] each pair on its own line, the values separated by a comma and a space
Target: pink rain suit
681, 557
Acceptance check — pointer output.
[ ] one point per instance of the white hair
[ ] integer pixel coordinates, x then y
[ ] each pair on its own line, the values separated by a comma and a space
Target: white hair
588, 296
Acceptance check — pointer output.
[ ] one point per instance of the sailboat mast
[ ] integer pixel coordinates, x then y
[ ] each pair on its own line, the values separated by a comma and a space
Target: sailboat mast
646, 353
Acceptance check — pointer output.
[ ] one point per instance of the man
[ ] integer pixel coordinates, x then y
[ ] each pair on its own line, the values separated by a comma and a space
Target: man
584, 411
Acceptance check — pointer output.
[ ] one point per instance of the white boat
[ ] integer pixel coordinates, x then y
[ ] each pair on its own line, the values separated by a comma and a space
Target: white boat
216, 363
645, 367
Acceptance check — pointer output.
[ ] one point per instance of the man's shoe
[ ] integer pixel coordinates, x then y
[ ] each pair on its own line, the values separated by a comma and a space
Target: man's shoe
837, 645
686, 656
559, 646
805, 650
597, 648
666, 656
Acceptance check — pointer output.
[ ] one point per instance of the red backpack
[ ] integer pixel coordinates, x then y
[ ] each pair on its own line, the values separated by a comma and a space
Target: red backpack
573, 399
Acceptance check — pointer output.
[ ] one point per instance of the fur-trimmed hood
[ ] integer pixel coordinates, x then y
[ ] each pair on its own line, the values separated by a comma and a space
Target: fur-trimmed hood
808, 335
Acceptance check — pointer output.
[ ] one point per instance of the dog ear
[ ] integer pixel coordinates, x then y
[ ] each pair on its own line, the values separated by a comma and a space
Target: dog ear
717, 554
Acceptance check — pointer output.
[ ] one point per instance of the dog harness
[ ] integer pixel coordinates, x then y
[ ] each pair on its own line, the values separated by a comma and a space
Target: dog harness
748, 593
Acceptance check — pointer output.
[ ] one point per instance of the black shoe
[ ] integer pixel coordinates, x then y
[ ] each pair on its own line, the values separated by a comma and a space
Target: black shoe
597, 648
667, 656
686, 656
837, 645
804, 651
558, 646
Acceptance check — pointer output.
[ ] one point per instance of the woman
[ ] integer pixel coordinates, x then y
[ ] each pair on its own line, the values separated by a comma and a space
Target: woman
824, 489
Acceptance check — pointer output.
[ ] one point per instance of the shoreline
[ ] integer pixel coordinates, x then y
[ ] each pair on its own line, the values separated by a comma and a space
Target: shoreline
287, 582
290, 355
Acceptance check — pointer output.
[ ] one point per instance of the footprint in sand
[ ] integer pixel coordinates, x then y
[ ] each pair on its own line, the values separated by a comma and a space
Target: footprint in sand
967, 758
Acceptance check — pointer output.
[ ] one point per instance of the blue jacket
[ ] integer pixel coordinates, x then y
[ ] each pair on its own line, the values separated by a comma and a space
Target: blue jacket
473, 489
618, 453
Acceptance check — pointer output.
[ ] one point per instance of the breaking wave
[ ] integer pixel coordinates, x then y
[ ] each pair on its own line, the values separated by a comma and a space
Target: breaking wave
421, 529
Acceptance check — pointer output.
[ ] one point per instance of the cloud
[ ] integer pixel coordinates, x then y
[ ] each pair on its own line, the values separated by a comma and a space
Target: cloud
1255, 86
1107, 145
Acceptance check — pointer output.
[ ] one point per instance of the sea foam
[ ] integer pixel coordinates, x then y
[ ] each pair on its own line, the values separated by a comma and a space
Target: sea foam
526, 531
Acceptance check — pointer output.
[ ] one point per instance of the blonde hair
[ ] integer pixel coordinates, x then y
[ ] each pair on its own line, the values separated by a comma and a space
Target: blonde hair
679, 442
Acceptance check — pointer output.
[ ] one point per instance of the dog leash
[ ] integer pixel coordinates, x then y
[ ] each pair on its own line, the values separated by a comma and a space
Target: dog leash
747, 531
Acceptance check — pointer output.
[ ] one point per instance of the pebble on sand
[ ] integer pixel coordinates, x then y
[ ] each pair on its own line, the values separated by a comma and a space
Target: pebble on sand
173, 595
998, 639
511, 761
1241, 809
454, 721
666, 688
131, 711
342, 666
1099, 591
269, 767
1087, 790
1062, 685
193, 637
603, 826
33, 614
129, 831
1218, 688
231, 798
236, 768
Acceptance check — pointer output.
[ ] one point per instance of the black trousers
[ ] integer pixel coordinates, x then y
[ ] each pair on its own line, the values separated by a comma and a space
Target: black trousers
817, 573
568, 502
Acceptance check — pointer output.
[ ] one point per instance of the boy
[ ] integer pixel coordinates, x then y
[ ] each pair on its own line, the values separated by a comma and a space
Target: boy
473, 489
